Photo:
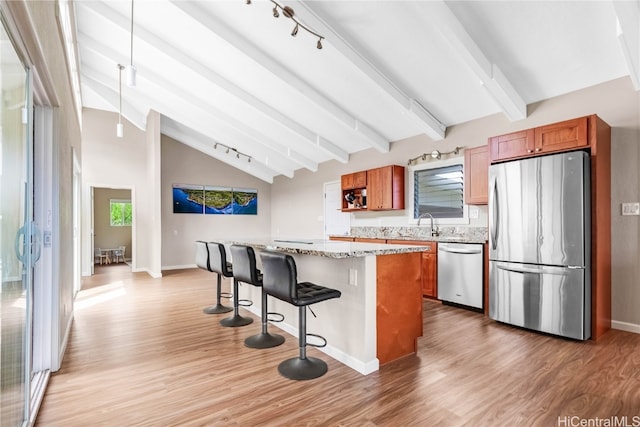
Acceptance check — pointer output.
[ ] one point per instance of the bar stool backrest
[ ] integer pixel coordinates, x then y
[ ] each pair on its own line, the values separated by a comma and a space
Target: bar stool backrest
202, 255
280, 276
244, 265
218, 259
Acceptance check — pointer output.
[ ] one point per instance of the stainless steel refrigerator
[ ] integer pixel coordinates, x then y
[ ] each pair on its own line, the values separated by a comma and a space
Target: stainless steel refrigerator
539, 244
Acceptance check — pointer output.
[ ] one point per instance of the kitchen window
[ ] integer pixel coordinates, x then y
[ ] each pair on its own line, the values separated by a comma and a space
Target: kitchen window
439, 191
121, 213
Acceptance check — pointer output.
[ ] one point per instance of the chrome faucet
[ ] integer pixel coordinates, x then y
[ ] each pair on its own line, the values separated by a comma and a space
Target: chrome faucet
434, 232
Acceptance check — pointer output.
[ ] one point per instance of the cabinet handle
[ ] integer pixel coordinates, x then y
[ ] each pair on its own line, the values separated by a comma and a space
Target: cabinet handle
538, 149
529, 151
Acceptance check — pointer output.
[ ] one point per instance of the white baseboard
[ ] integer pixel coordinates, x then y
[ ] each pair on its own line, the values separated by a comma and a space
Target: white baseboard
364, 368
146, 270
179, 267
624, 326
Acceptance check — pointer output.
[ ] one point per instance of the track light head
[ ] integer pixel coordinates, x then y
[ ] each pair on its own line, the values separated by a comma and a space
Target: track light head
248, 159
227, 150
288, 11
215, 146
319, 45
275, 12
295, 31
248, 1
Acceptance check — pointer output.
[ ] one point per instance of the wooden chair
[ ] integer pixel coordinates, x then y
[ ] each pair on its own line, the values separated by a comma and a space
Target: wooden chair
100, 257
118, 254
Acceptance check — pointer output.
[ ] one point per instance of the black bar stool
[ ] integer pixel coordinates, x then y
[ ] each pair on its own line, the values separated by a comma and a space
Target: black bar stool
203, 260
219, 264
281, 281
245, 270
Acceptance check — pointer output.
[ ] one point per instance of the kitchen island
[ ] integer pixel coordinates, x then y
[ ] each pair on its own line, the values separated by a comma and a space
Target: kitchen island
377, 319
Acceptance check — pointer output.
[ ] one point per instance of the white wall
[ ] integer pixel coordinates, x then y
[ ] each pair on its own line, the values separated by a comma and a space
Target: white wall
112, 162
184, 165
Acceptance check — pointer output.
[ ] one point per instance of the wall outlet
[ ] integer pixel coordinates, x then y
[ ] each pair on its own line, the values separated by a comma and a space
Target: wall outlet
473, 212
353, 277
631, 208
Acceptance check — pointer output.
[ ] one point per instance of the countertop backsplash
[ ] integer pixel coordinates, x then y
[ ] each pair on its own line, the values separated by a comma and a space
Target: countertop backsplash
453, 233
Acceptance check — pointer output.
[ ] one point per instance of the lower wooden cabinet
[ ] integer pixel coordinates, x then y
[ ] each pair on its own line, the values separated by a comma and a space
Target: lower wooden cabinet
428, 265
429, 274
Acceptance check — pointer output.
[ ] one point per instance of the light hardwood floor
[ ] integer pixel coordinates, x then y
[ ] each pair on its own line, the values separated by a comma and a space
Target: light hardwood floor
142, 353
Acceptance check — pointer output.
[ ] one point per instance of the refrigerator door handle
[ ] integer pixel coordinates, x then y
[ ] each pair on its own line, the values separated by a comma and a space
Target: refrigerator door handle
559, 271
495, 217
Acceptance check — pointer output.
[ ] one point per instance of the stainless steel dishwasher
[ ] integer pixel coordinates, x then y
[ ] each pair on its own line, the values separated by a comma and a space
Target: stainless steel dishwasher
460, 273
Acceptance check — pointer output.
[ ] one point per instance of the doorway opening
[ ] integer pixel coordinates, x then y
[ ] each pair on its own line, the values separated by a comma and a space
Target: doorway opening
112, 226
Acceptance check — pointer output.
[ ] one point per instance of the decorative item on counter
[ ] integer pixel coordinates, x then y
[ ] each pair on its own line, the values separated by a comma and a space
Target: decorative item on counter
435, 155
351, 200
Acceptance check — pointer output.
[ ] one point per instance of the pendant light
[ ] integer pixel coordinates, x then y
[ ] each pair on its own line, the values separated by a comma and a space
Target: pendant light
119, 126
131, 69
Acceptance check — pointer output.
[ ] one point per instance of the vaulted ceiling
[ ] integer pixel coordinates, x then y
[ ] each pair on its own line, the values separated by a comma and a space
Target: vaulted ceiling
227, 74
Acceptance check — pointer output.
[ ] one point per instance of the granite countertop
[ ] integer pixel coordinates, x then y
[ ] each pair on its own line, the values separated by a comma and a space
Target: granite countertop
327, 248
447, 234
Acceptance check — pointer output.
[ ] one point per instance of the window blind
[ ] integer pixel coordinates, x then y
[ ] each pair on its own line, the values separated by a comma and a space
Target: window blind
439, 191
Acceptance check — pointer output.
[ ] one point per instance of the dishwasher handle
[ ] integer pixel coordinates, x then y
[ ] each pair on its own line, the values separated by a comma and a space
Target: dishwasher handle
460, 250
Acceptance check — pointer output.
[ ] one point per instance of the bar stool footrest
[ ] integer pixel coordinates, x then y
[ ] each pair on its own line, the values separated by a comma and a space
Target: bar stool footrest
245, 303
228, 295
324, 340
302, 369
279, 317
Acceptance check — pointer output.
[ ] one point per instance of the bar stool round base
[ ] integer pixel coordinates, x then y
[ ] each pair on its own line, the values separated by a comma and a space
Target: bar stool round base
217, 309
265, 340
236, 320
302, 369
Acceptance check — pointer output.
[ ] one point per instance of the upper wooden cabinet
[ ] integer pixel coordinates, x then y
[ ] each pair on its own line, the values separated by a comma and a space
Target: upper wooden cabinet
354, 180
385, 188
561, 136
374, 189
476, 175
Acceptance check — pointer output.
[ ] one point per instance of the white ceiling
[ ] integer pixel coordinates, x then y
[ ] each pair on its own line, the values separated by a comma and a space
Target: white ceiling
227, 72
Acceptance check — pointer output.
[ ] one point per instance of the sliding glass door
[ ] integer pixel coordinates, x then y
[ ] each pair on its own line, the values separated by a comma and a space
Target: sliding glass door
16, 237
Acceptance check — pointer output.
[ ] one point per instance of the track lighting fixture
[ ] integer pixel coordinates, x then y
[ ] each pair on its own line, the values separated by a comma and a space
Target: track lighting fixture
288, 12
119, 126
435, 155
232, 151
131, 69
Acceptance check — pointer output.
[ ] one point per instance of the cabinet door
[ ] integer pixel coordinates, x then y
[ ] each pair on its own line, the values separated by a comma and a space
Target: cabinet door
561, 136
429, 275
377, 197
360, 179
476, 175
347, 181
512, 145
385, 188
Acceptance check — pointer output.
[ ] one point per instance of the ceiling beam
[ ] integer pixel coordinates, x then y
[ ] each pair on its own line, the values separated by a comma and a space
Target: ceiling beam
178, 55
272, 147
277, 163
490, 75
110, 96
205, 145
428, 123
628, 33
232, 37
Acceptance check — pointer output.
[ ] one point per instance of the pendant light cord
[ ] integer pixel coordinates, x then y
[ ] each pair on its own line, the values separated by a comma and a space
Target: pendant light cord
131, 32
120, 93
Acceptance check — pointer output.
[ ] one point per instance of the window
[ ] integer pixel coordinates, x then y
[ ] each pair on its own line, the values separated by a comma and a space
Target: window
121, 213
439, 191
